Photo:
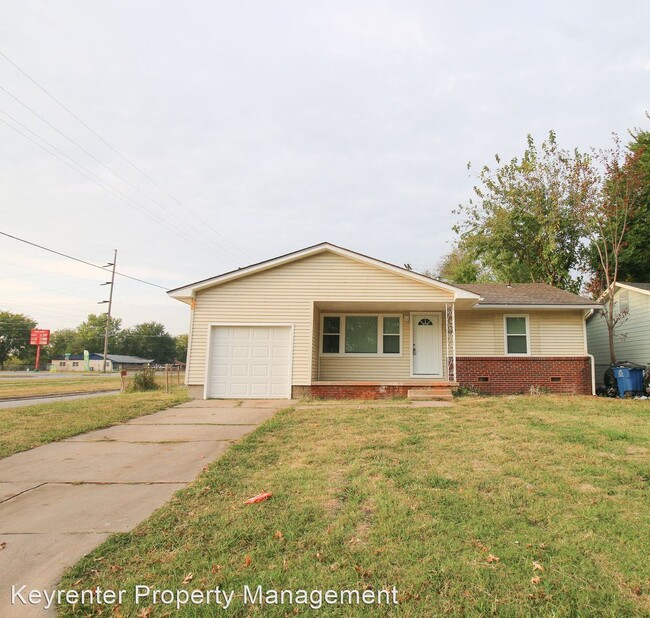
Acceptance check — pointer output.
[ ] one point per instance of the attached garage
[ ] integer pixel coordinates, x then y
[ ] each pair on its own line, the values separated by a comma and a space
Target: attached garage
249, 362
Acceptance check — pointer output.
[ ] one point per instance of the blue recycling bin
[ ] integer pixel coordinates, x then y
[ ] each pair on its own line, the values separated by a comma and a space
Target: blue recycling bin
628, 379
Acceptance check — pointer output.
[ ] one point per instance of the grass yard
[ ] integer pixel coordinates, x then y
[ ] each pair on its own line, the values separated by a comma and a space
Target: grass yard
26, 387
30, 426
499, 506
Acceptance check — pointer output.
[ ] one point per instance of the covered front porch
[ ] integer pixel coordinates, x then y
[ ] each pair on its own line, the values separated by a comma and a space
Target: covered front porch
388, 349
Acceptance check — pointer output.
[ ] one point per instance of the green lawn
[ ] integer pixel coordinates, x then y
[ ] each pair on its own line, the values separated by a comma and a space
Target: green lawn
11, 387
26, 427
461, 509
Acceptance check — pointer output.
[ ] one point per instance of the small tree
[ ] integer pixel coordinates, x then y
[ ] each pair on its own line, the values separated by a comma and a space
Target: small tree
612, 197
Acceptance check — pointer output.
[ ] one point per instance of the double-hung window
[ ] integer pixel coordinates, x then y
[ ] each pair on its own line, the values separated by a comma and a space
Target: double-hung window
517, 334
361, 334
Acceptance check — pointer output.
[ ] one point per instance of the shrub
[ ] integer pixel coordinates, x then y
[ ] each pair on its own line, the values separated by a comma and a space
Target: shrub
144, 380
466, 390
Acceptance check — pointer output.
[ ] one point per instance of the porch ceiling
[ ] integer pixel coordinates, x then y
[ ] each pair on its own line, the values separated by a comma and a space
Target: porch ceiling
387, 306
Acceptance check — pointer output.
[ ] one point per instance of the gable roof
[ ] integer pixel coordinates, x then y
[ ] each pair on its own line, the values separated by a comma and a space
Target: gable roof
527, 295
187, 292
638, 287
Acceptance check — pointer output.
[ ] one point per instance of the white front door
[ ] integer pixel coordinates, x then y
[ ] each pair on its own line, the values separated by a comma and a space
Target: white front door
427, 347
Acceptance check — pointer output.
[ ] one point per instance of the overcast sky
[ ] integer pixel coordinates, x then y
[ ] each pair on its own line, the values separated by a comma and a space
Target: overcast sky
271, 126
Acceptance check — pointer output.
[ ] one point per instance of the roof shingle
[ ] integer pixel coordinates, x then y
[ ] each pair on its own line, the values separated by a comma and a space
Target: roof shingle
524, 294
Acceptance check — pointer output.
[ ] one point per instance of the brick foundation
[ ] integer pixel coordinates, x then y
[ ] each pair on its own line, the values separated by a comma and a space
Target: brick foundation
353, 391
498, 375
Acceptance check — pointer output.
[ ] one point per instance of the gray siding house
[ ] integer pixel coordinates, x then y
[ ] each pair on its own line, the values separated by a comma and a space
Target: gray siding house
632, 335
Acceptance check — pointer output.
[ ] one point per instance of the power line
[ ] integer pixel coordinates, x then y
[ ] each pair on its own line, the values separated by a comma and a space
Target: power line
97, 160
70, 257
133, 165
100, 182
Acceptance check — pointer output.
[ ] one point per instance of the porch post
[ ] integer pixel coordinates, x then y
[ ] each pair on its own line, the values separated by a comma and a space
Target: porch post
447, 341
450, 322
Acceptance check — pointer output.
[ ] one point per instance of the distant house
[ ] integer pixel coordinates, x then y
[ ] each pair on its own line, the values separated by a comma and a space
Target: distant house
114, 362
329, 322
632, 335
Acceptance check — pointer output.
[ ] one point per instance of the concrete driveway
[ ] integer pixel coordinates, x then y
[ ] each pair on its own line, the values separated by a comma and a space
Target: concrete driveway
59, 501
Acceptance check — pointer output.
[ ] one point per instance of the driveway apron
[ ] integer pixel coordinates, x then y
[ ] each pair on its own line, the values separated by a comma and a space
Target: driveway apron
61, 500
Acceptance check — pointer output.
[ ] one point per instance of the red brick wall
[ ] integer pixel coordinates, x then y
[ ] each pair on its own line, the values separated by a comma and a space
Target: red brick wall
358, 391
516, 374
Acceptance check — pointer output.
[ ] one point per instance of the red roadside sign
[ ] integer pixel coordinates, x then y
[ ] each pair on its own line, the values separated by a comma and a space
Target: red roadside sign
39, 336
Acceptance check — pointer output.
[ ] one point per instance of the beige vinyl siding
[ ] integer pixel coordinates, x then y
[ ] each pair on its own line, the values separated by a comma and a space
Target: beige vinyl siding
552, 332
631, 337
381, 368
286, 295
315, 343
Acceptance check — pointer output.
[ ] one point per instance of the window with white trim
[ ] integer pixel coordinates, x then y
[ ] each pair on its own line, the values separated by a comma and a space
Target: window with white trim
516, 329
367, 335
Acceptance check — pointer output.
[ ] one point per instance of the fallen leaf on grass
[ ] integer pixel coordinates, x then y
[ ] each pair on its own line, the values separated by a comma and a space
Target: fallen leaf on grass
265, 495
278, 535
117, 612
247, 561
480, 545
537, 566
362, 572
145, 613
188, 578
535, 580
216, 568
115, 568
492, 558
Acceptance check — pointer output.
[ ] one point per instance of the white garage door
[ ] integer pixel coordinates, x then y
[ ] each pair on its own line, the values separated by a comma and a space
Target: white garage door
250, 362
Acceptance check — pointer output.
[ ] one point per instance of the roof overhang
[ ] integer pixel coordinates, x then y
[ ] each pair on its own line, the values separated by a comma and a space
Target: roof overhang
188, 292
536, 307
625, 286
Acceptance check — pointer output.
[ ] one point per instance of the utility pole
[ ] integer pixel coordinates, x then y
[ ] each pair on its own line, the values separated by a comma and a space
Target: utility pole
110, 305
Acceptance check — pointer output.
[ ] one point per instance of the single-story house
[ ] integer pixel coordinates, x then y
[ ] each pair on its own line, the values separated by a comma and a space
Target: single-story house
632, 333
114, 362
330, 322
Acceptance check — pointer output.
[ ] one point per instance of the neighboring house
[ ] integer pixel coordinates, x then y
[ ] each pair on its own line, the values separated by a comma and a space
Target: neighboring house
330, 322
114, 362
632, 334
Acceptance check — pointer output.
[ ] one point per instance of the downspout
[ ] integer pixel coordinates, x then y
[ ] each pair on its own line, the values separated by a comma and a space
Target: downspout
591, 357
593, 374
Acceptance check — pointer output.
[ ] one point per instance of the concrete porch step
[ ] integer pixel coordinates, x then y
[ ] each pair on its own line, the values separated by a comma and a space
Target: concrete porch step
430, 394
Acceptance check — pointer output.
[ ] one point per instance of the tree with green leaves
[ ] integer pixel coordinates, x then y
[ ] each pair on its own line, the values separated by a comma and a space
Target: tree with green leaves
181, 342
90, 335
15, 331
613, 201
149, 340
64, 341
460, 266
634, 258
521, 225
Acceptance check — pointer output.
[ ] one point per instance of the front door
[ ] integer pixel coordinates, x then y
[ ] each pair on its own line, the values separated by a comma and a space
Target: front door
427, 348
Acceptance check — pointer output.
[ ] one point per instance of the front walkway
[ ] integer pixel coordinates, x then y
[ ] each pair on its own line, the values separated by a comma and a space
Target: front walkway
61, 500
